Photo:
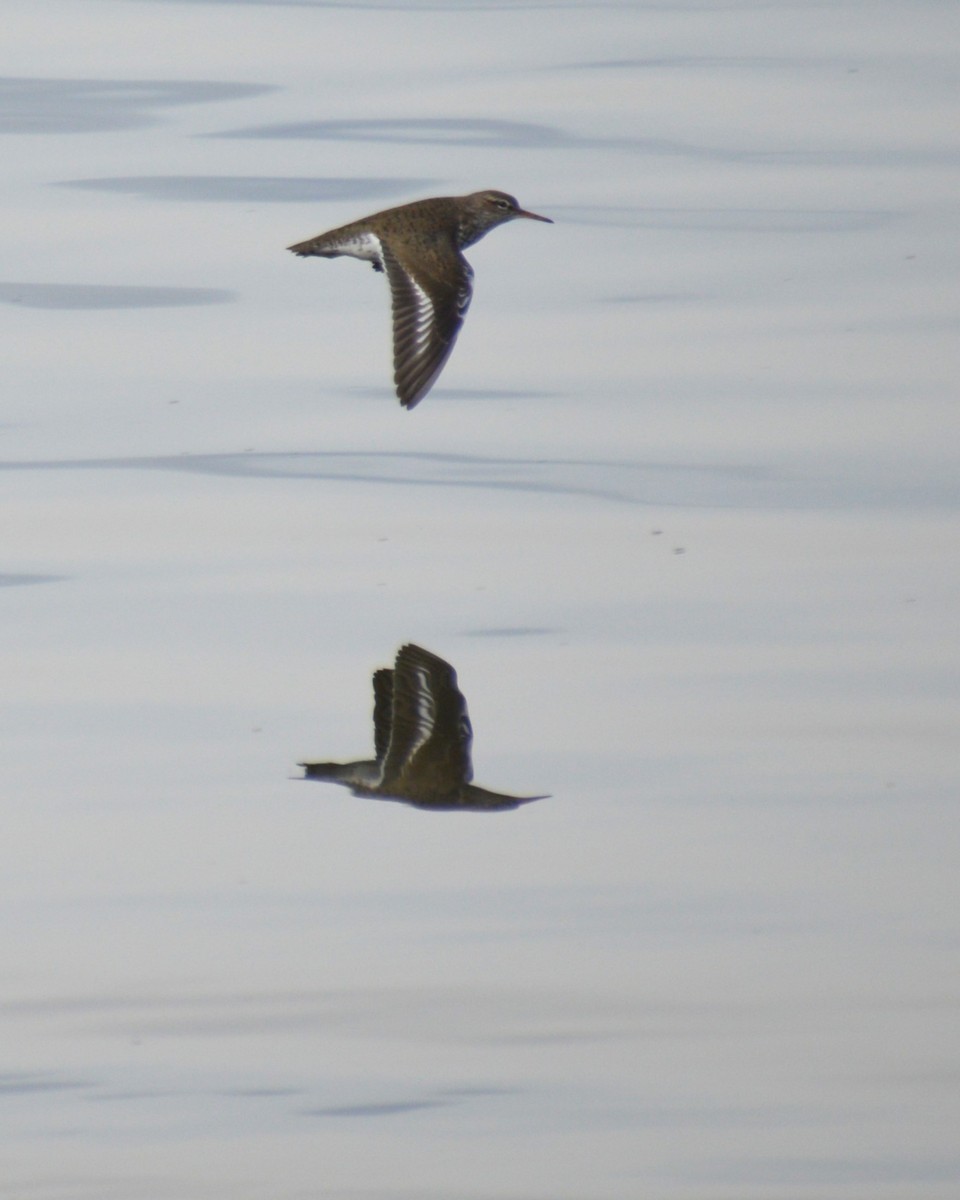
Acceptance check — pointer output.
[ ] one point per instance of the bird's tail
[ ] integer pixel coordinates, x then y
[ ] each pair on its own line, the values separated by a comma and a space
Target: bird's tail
305, 249
339, 772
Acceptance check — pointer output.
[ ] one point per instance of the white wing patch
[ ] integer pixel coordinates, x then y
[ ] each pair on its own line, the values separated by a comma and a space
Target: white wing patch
423, 324
426, 710
427, 315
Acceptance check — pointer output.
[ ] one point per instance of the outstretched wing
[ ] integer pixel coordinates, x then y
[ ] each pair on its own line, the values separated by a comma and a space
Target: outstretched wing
428, 310
382, 711
429, 753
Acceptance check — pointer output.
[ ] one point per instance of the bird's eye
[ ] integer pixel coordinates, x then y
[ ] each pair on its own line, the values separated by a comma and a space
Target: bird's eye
504, 204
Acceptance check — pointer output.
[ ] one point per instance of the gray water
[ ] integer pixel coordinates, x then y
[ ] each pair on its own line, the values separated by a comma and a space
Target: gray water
682, 511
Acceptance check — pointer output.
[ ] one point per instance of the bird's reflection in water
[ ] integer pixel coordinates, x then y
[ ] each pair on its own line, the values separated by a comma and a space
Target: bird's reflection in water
422, 738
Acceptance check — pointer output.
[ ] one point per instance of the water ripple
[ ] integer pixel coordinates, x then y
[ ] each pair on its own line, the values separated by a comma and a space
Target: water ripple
96, 105
269, 189
107, 295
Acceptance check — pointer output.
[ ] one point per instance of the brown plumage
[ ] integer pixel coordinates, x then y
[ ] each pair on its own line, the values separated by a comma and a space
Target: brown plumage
422, 741
419, 247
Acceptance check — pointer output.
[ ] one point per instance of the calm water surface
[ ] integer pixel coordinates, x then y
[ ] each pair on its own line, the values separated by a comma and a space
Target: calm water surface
682, 512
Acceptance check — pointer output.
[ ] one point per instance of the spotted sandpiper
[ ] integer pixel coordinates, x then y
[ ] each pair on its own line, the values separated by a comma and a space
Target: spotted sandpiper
418, 245
421, 738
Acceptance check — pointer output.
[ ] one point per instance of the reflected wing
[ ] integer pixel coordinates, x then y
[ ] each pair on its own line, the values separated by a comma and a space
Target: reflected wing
429, 752
382, 711
428, 310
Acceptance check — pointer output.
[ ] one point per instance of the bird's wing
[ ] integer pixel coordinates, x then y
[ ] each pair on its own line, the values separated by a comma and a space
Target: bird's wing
382, 711
429, 753
428, 310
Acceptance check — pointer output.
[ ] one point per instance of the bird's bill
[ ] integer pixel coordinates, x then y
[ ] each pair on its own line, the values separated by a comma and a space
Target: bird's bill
522, 212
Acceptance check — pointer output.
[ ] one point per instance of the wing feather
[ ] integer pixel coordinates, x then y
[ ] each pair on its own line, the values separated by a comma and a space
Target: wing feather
428, 312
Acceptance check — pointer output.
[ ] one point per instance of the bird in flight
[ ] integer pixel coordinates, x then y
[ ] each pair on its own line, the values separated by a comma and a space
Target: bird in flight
422, 739
419, 247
